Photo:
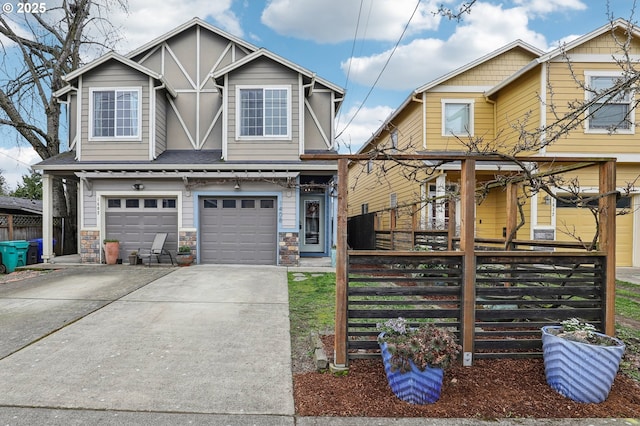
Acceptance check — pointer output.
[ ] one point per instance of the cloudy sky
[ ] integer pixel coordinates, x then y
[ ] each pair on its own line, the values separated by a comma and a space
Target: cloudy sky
379, 50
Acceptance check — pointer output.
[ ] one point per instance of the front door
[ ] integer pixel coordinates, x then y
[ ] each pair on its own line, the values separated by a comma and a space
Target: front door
312, 230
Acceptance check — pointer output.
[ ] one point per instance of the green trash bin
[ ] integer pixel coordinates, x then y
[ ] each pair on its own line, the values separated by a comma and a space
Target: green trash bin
14, 254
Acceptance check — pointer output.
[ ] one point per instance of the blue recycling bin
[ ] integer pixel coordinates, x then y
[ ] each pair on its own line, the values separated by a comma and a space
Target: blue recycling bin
39, 241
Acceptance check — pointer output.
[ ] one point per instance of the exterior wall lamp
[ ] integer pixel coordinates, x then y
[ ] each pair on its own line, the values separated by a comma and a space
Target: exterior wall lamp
138, 186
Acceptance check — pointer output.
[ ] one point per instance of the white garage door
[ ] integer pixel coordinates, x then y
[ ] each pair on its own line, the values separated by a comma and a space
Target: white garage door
238, 230
136, 221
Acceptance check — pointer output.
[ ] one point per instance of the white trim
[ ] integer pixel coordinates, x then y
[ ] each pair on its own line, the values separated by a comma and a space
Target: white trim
332, 123
152, 120
620, 158
177, 61
213, 68
238, 120
79, 138
635, 250
470, 102
302, 102
631, 114
136, 138
47, 217
424, 120
216, 117
596, 58
197, 87
460, 89
543, 106
225, 119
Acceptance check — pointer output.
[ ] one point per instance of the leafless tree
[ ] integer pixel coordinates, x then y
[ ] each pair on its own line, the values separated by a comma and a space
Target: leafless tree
40, 47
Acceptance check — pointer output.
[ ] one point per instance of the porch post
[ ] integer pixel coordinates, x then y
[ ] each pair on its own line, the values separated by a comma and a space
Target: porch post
467, 232
340, 344
47, 217
607, 243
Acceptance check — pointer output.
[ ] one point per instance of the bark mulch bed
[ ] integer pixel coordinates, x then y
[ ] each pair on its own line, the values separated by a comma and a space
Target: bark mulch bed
488, 390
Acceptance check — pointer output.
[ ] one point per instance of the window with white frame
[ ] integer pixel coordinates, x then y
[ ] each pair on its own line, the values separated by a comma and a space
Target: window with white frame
115, 113
609, 111
457, 117
264, 112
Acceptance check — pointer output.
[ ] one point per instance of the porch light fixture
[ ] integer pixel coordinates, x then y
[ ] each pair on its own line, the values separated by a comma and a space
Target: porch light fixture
137, 186
236, 186
547, 200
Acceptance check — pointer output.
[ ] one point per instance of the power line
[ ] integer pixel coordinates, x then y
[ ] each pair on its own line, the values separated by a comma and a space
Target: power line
381, 71
353, 48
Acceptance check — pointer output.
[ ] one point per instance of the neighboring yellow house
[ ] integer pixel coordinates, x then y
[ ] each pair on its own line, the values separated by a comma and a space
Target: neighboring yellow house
481, 107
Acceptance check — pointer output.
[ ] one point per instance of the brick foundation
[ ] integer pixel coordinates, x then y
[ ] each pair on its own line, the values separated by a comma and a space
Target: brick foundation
288, 249
189, 238
90, 246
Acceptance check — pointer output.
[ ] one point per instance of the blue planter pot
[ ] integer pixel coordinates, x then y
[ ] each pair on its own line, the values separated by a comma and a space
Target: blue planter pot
415, 386
580, 371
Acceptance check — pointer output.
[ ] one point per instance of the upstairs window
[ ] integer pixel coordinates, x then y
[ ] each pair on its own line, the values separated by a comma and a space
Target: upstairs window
457, 117
611, 112
115, 114
264, 113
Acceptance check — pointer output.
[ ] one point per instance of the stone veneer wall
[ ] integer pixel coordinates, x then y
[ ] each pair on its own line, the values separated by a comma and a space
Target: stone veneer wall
90, 246
189, 238
289, 248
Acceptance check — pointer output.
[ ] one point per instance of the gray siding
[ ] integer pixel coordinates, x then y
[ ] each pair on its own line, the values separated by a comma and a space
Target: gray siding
322, 107
114, 74
263, 72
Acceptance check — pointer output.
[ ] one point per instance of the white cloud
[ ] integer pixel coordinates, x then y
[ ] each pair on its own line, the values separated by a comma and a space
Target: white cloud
333, 21
148, 19
486, 29
361, 129
549, 6
14, 163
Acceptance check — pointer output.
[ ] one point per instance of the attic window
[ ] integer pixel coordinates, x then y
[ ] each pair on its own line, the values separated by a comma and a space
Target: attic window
457, 117
264, 112
115, 113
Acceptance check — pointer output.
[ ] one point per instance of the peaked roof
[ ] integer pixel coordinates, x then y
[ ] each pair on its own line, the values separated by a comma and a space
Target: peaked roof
514, 44
115, 57
517, 43
260, 53
193, 22
617, 24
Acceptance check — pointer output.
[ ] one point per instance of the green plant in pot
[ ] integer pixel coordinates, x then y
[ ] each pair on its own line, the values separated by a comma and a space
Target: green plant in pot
184, 256
415, 358
579, 362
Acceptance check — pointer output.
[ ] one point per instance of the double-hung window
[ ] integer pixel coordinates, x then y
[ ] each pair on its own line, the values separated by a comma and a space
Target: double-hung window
457, 117
115, 113
264, 112
608, 111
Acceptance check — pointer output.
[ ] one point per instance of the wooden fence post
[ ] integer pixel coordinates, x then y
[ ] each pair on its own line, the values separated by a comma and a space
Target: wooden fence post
467, 232
607, 243
340, 342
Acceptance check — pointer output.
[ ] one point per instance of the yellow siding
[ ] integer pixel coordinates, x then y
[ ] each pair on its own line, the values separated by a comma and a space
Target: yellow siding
517, 105
493, 71
603, 45
483, 121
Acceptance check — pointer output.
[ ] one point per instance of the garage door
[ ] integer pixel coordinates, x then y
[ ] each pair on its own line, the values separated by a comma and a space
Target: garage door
238, 230
136, 221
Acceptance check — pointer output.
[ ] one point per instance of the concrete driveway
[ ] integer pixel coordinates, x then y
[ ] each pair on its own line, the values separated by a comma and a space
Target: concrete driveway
199, 340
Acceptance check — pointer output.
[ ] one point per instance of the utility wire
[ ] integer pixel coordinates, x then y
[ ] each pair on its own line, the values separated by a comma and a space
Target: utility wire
353, 49
381, 71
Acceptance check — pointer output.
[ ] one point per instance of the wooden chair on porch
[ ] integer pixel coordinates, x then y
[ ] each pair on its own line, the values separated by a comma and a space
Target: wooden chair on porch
157, 249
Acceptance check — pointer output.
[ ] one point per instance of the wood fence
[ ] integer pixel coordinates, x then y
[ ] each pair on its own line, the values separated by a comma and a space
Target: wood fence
516, 293
29, 227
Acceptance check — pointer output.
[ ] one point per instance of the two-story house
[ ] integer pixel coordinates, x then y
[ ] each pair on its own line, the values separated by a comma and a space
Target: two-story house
199, 134
483, 107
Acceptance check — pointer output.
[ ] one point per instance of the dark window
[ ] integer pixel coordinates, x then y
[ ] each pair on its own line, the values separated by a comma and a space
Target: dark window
210, 204
151, 203
169, 203
133, 203
228, 204
113, 203
248, 204
266, 204
364, 208
571, 201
